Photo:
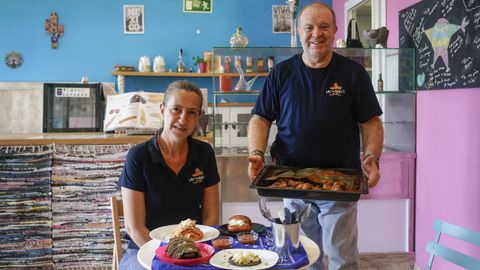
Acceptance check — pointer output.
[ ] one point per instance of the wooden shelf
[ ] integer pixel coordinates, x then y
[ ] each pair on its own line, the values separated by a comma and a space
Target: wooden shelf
184, 74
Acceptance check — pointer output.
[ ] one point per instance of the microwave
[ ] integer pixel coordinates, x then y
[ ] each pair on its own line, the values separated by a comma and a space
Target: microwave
73, 107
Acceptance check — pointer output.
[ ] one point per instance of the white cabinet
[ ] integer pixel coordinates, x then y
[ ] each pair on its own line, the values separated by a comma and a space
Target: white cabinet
230, 126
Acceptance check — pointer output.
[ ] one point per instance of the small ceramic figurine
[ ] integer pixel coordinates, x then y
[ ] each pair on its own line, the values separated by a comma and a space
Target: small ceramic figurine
341, 43
376, 37
226, 65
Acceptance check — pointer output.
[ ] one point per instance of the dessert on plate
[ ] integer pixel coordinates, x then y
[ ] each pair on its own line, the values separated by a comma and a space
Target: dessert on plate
182, 248
188, 229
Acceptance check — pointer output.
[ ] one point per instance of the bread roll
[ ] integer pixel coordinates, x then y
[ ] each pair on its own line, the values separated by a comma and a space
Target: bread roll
239, 223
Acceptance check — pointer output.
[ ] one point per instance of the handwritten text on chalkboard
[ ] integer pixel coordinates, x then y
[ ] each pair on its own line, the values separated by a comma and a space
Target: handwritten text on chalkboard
446, 37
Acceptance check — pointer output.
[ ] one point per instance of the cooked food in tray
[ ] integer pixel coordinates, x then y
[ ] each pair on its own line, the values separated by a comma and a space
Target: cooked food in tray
182, 248
188, 229
299, 184
245, 258
312, 179
310, 183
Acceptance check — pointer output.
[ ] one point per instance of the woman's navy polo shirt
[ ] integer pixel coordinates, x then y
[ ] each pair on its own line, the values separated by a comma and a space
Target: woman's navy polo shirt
317, 111
169, 198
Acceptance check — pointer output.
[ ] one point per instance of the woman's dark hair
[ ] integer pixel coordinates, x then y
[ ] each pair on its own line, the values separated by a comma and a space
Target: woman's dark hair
182, 85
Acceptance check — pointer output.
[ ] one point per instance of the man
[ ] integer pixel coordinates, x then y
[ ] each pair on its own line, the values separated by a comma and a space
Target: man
321, 102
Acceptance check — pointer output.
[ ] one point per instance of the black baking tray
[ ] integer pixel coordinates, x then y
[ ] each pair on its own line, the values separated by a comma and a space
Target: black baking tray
356, 182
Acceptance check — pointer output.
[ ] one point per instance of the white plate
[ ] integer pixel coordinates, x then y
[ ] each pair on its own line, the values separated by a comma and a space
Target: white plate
220, 259
163, 233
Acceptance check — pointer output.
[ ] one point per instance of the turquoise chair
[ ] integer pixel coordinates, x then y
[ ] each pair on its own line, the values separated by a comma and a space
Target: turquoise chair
436, 249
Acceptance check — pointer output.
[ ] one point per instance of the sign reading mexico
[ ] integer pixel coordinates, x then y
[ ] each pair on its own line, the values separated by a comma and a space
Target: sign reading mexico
133, 19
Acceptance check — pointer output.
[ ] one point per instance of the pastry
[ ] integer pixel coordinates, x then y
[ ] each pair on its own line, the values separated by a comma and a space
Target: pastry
182, 248
187, 228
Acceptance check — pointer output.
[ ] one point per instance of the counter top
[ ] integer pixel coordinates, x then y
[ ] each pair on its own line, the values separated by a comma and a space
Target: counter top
70, 138
75, 138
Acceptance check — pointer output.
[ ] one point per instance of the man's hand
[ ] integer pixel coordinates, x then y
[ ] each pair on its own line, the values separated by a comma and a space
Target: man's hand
370, 168
255, 165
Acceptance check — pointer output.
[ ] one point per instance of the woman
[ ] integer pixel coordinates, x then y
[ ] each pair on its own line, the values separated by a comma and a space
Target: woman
170, 177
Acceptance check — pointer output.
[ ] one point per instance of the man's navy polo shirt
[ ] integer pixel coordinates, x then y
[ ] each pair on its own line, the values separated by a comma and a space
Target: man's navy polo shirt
169, 198
317, 111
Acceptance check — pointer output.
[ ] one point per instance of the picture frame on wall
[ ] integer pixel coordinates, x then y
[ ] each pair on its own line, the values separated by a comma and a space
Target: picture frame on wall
198, 6
133, 19
281, 19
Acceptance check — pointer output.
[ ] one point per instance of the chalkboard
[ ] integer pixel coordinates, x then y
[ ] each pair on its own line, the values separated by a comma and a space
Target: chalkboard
446, 38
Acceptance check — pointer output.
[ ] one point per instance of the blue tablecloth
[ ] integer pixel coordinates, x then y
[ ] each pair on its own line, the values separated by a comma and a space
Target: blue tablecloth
295, 259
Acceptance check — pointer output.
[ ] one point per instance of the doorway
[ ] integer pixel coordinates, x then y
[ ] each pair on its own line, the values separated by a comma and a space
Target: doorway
368, 14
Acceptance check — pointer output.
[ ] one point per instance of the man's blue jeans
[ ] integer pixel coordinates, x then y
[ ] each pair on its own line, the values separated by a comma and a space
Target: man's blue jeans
333, 226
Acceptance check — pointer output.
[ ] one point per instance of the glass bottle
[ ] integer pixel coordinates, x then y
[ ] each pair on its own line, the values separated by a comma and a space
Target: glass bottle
380, 83
180, 65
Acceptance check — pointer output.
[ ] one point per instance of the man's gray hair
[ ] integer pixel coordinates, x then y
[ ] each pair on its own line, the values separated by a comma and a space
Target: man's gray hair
319, 4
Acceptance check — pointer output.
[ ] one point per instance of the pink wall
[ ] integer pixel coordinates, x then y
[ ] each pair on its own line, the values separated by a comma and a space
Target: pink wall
448, 154
448, 166
337, 6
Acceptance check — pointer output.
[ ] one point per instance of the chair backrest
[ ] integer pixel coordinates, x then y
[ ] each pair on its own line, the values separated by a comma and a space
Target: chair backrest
436, 249
117, 213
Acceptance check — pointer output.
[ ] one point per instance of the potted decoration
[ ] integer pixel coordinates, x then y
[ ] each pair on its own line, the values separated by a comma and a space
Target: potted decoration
200, 62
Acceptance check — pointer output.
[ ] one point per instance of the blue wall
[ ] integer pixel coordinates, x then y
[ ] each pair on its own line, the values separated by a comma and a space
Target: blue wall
94, 40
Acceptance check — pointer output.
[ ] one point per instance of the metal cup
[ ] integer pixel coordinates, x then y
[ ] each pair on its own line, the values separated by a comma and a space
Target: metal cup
283, 234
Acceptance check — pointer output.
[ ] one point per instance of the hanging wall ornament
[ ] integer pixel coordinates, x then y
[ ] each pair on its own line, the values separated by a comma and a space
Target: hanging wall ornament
14, 59
293, 6
54, 30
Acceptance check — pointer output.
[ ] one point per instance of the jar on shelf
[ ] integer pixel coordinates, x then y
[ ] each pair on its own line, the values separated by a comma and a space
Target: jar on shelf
238, 39
144, 64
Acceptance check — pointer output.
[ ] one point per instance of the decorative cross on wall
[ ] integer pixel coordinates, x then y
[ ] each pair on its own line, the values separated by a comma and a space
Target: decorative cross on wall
54, 29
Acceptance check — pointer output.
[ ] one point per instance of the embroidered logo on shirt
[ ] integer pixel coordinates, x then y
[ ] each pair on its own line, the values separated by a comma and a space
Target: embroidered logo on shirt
197, 177
335, 90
